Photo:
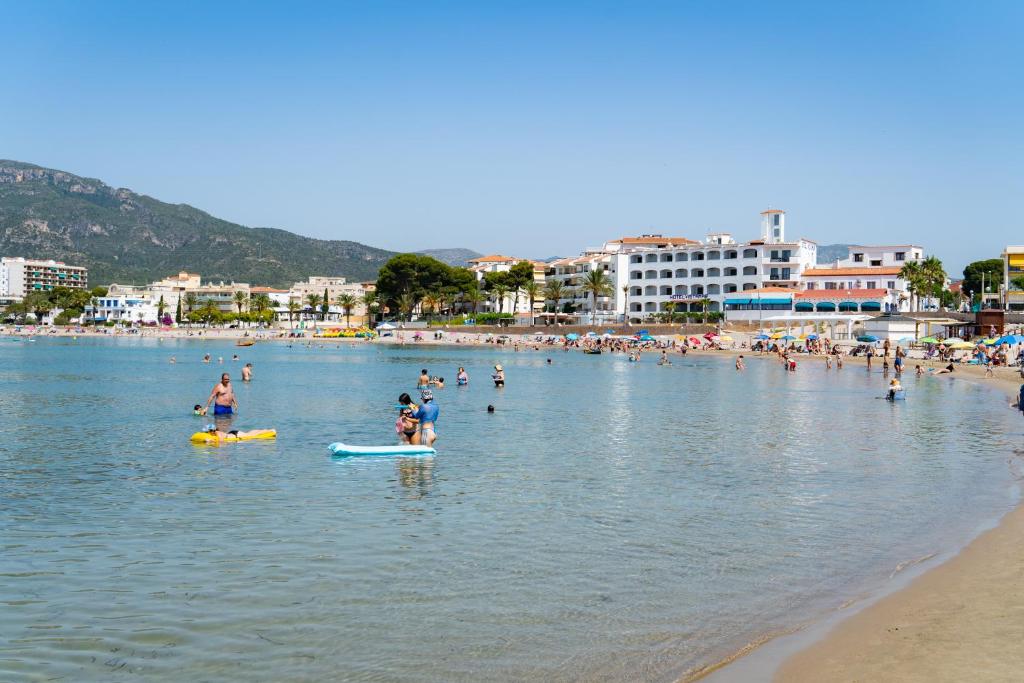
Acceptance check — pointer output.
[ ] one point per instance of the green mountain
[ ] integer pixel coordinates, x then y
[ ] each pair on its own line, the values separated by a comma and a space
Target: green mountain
126, 237
827, 253
453, 257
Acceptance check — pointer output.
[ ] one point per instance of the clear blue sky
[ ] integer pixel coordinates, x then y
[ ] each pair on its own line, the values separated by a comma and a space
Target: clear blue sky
537, 128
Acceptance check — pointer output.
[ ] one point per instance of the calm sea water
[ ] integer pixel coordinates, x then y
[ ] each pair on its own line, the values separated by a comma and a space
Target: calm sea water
611, 521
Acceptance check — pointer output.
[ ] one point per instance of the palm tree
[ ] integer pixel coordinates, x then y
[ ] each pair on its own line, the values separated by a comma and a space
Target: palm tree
369, 301
406, 304
313, 301
240, 299
347, 302
933, 276
500, 291
554, 290
474, 297
532, 291
704, 303
191, 299
597, 284
911, 273
293, 308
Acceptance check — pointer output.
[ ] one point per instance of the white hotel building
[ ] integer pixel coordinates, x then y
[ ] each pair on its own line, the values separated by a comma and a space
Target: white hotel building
685, 272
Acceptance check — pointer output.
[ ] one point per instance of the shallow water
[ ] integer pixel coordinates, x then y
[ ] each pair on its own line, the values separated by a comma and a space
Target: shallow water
610, 521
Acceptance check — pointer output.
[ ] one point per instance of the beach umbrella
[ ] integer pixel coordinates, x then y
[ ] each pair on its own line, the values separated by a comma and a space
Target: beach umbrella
867, 338
1010, 339
928, 340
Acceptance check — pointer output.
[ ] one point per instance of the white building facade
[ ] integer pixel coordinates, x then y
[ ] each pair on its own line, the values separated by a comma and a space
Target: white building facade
716, 269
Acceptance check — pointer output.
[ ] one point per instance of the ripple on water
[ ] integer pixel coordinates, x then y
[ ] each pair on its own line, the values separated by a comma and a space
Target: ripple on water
610, 521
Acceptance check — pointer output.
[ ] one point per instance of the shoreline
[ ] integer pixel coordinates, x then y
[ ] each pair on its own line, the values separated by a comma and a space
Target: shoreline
949, 617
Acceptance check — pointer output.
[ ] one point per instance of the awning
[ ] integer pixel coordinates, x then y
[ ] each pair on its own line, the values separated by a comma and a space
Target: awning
737, 302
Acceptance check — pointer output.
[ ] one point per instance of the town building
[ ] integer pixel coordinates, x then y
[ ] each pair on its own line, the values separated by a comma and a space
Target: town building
690, 275
514, 302
20, 277
1013, 268
870, 274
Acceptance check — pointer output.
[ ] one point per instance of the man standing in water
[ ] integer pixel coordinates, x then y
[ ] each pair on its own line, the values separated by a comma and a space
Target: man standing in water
427, 416
222, 397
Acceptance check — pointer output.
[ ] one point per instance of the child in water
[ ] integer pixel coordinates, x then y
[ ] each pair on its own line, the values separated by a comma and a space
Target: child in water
405, 425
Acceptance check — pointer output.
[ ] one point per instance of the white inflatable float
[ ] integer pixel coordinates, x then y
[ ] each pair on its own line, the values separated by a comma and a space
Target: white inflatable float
343, 449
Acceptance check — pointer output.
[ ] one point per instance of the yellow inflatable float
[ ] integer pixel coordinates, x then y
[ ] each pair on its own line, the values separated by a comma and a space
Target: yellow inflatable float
213, 439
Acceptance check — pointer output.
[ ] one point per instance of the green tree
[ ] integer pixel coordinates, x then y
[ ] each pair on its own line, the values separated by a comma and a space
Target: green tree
39, 304
191, 301
293, 308
912, 273
596, 284
369, 299
554, 291
533, 292
993, 271
313, 301
347, 302
705, 303
413, 275
240, 299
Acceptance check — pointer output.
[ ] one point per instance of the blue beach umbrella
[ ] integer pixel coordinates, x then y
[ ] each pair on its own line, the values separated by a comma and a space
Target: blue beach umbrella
1010, 339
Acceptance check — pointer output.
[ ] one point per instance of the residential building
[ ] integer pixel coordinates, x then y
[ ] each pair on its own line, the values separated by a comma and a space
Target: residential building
685, 273
20, 276
513, 302
870, 274
1013, 267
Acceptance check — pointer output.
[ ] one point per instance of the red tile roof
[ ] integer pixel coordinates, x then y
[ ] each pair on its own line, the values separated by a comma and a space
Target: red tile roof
855, 270
842, 294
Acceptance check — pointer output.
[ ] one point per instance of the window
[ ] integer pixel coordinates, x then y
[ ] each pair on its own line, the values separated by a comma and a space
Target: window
858, 258
901, 255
